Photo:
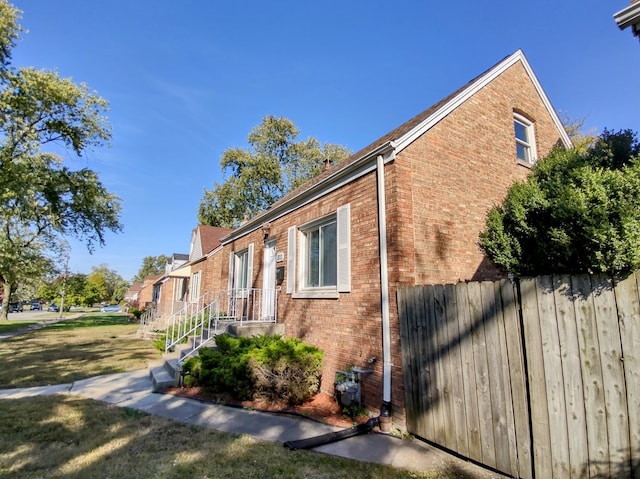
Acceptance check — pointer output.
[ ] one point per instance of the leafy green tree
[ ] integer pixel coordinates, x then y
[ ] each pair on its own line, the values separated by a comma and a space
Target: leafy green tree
108, 284
41, 199
151, 265
578, 211
273, 165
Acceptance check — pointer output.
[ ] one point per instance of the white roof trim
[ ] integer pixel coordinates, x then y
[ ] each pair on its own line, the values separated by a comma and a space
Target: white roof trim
475, 87
628, 16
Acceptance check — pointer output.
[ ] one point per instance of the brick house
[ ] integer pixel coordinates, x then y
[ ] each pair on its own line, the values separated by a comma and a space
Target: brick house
171, 287
204, 260
405, 210
131, 296
148, 295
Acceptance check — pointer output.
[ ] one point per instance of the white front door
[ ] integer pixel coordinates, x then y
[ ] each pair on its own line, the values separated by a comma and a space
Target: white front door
269, 281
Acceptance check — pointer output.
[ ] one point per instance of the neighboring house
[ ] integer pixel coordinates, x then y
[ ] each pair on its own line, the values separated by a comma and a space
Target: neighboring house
187, 277
405, 210
172, 287
132, 295
149, 292
629, 17
204, 260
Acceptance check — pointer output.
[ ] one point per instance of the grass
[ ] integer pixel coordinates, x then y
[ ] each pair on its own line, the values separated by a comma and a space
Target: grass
74, 349
9, 326
68, 437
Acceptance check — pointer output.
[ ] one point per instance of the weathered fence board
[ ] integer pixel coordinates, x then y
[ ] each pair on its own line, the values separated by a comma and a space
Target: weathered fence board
553, 378
628, 301
539, 380
457, 381
515, 372
468, 372
535, 376
612, 371
572, 376
591, 377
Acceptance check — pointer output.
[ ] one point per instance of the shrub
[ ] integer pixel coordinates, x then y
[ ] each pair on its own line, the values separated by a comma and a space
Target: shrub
160, 342
136, 312
262, 367
287, 369
578, 211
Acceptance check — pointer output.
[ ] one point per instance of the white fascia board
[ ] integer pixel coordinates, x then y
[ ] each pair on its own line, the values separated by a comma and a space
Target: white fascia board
475, 87
628, 16
340, 178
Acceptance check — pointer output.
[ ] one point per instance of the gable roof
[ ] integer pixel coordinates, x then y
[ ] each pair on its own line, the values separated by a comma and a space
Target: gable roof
391, 144
205, 239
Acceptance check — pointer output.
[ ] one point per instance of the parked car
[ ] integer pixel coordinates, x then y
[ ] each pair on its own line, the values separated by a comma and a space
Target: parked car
36, 307
15, 307
53, 307
112, 308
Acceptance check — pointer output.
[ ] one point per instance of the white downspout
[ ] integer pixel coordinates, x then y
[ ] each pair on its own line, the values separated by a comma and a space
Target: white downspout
384, 286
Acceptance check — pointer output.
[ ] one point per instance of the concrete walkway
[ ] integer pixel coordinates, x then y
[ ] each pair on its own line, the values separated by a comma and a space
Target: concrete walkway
134, 390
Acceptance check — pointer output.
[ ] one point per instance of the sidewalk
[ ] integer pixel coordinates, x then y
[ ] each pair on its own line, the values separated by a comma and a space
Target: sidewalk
134, 390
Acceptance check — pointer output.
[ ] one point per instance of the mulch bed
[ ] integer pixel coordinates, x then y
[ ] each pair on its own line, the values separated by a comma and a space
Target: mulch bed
322, 407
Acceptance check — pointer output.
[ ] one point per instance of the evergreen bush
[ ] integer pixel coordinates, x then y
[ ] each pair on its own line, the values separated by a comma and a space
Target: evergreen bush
262, 367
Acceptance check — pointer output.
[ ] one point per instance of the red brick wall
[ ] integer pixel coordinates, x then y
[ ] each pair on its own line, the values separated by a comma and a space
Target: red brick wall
438, 191
460, 169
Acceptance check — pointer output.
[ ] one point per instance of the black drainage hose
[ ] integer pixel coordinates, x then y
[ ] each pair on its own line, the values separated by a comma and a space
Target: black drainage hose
312, 442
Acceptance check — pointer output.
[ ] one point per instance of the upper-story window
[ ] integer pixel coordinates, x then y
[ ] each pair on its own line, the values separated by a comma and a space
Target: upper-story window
525, 139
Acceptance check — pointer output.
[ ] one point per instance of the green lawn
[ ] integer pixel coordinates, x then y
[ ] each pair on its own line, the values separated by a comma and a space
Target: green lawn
73, 349
68, 437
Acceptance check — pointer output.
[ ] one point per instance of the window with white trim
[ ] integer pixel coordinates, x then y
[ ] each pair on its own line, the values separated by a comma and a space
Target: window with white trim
241, 269
321, 249
319, 253
525, 139
181, 288
195, 287
241, 274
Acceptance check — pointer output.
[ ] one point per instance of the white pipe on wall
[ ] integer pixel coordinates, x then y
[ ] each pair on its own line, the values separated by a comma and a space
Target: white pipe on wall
384, 284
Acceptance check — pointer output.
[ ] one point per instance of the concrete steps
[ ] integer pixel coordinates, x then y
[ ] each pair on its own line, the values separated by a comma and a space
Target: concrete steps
164, 374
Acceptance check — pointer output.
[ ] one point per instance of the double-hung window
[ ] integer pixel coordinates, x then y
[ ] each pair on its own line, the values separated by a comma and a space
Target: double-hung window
319, 256
195, 287
525, 139
241, 270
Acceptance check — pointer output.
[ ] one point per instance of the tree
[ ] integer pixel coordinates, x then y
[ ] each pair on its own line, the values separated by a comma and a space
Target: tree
41, 199
274, 165
108, 285
578, 211
151, 265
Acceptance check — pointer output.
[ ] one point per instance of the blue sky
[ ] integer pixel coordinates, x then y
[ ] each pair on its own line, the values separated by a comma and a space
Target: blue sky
188, 79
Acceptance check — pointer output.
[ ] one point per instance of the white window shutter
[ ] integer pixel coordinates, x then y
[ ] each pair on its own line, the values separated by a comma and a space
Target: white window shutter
291, 259
232, 256
250, 267
344, 249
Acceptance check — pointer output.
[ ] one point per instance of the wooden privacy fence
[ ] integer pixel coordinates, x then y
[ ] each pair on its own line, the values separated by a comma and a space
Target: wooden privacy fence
536, 378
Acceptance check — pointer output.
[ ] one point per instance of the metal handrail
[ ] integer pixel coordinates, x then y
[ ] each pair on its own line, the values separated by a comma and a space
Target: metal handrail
201, 319
147, 317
